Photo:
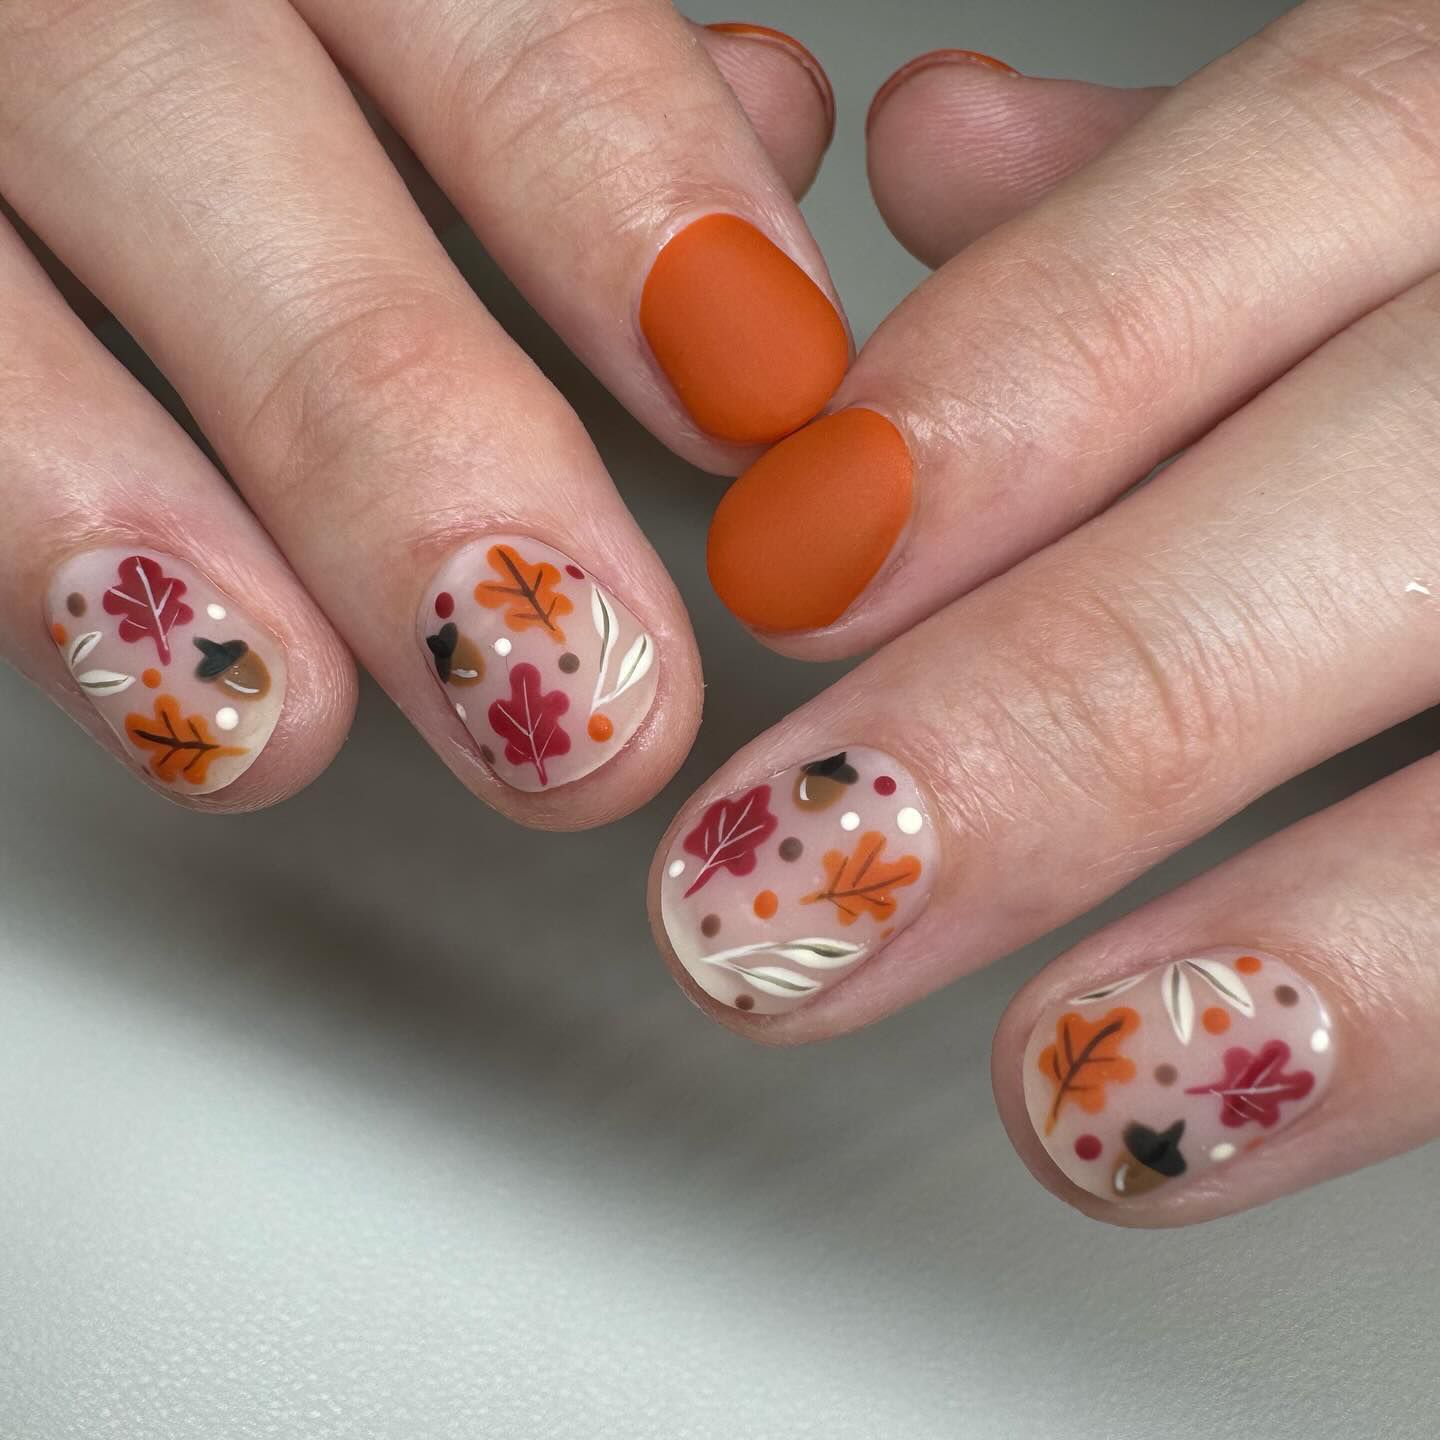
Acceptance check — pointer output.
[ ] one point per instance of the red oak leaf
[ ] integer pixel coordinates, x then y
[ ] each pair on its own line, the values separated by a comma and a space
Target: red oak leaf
148, 602
729, 833
529, 721
1254, 1086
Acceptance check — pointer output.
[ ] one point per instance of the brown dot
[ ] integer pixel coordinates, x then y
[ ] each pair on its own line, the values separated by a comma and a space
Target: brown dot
710, 926
487, 754
791, 848
1287, 995
744, 1002
1166, 1074
569, 662
75, 603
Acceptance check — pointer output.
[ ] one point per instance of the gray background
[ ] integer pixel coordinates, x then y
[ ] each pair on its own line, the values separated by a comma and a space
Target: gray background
332, 1122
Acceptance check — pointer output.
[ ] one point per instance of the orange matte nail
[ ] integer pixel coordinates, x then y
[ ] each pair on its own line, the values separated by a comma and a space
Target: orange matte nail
750, 342
765, 34
929, 61
803, 531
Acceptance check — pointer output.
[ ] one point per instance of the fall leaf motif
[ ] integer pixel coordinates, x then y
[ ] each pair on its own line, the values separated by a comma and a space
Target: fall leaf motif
1254, 1086
97, 682
1086, 1057
635, 664
729, 834
529, 721
148, 602
181, 745
813, 951
529, 591
860, 883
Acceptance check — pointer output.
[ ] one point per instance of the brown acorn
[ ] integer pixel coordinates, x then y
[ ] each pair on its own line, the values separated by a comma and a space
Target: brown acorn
1154, 1158
458, 661
233, 665
822, 782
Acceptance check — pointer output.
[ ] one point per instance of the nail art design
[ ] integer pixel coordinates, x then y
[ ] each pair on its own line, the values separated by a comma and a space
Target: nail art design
1167, 1073
548, 672
191, 683
774, 894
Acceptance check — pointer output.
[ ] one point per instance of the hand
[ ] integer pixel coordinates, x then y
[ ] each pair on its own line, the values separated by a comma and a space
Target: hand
1248, 270
408, 476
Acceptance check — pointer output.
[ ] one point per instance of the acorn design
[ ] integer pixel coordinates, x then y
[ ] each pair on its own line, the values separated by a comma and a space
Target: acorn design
234, 665
822, 782
458, 661
1154, 1158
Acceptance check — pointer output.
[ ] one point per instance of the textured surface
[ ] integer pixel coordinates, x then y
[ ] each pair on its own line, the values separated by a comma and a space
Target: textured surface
333, 1122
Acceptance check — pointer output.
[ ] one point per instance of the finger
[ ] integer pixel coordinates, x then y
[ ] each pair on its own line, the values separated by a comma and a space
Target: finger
674, 261
127, 567
1267, 601
1286, 1037
396, 443
958, 143
1264, 205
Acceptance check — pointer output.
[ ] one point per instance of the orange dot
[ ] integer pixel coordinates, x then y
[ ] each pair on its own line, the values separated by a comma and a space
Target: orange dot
58, 633
1215, 1020
1247, 964
766, 904
601, 727
150, 678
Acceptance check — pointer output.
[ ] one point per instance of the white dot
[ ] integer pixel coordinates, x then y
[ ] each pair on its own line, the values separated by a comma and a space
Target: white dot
1320, 1041
502, 646
214, 611
227, 717
910, 821
849, 821
675, 869
1222, 1151
460, 711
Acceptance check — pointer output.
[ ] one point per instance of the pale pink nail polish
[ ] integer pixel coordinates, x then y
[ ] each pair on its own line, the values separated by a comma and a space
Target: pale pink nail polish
1145, 1082
191, 684
774, 894
546, 669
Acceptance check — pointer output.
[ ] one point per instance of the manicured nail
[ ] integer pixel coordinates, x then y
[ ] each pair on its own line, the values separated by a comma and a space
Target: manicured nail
929, 61
191, 684
546, 669
804, 530
750, 343
765, 35
1151, 1080
776, 893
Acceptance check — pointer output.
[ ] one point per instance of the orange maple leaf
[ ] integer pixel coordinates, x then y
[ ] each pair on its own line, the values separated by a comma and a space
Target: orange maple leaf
530, 592
860, 883
1085, 1058
181, 745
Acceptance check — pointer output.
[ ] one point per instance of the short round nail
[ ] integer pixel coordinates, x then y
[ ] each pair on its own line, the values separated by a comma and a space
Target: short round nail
191, 684
766, 35
546, 669
1145, 1082
774, 894
750, 343
804, 530
930, 61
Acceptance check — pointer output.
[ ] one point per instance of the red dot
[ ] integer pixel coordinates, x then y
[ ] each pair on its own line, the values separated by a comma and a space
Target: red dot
444, 604
575, 572
1088, 1147
884, 785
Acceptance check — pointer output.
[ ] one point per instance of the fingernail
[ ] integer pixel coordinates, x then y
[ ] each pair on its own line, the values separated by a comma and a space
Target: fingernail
774, 894
930, 61
1146, 1082
804, 530
750, 343
546, 669
191, 684
765, 35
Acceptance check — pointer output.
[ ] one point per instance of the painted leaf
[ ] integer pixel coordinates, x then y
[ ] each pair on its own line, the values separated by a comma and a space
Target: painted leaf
529, 593
181, 746
812, 951
1085, 1058
529, 721
776, 980
1178, 993
104, 682
1225, 983
81, 646
729, 834
1179, 1001
862, 882
1255, 1085
148, 603
1118, 987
